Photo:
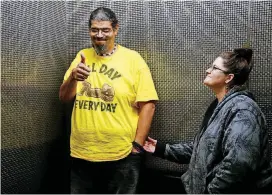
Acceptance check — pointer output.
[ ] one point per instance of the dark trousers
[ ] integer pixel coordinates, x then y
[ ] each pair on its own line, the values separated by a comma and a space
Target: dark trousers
111, 177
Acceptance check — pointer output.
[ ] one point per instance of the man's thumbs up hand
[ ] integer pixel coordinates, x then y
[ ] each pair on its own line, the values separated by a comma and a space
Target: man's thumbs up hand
82, 58
81, 72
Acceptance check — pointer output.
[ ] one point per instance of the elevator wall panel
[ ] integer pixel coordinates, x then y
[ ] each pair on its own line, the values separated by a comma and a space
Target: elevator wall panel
33, 59
179, 40
260, 84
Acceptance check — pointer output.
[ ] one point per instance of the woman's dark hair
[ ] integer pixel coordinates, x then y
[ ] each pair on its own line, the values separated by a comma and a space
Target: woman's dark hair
103, 14
238, 63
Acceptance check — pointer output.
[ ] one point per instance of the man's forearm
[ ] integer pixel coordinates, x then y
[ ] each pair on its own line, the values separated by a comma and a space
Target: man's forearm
147, 110
68, 90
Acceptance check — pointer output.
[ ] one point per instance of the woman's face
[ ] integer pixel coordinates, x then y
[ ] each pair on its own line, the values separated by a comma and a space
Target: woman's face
217, 75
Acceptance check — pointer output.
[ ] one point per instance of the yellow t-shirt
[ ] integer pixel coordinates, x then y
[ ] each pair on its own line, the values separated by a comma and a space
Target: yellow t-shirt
104, 117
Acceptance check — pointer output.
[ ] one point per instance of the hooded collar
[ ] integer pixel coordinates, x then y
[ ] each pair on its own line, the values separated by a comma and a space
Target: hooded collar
235, 91
215, 107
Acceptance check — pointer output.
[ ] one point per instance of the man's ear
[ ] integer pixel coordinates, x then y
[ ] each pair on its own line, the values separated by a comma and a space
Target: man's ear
116, 29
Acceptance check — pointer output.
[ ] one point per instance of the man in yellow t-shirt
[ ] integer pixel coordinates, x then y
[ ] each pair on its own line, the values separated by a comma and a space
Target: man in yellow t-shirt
113, 110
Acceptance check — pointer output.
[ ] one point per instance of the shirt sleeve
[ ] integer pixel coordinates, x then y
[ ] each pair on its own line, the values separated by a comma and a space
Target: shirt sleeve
144, 85
179, 153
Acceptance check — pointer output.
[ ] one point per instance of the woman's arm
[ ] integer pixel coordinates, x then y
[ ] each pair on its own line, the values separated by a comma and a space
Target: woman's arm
179, 153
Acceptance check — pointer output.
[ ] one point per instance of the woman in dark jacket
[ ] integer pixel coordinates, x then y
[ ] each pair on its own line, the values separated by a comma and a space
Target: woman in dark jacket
230, 152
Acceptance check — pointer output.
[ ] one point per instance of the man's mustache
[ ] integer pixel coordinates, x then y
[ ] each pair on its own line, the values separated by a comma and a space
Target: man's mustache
100, 39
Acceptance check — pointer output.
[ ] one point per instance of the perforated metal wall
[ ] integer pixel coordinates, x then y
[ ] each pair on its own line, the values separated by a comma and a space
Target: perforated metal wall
33, 59
261, 39
178, 39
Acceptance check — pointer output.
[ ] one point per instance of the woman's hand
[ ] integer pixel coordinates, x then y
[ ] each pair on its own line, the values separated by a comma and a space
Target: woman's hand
150, 145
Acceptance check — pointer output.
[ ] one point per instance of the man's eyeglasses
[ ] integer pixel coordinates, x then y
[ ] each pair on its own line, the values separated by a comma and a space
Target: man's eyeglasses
103, 30
213, 67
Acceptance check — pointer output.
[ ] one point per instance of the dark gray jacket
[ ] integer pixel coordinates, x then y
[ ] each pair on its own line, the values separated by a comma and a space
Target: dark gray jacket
229, 153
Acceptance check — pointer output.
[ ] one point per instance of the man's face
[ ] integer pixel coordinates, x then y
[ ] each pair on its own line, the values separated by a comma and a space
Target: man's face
103, 36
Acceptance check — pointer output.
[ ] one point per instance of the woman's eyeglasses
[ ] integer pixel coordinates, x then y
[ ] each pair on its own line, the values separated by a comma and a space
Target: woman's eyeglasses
213, 67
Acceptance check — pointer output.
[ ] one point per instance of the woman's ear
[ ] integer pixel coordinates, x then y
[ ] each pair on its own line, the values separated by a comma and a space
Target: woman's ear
229, 78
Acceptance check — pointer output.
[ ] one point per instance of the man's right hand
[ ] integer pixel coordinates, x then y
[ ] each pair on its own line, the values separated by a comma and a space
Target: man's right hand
150, 145
81, 72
